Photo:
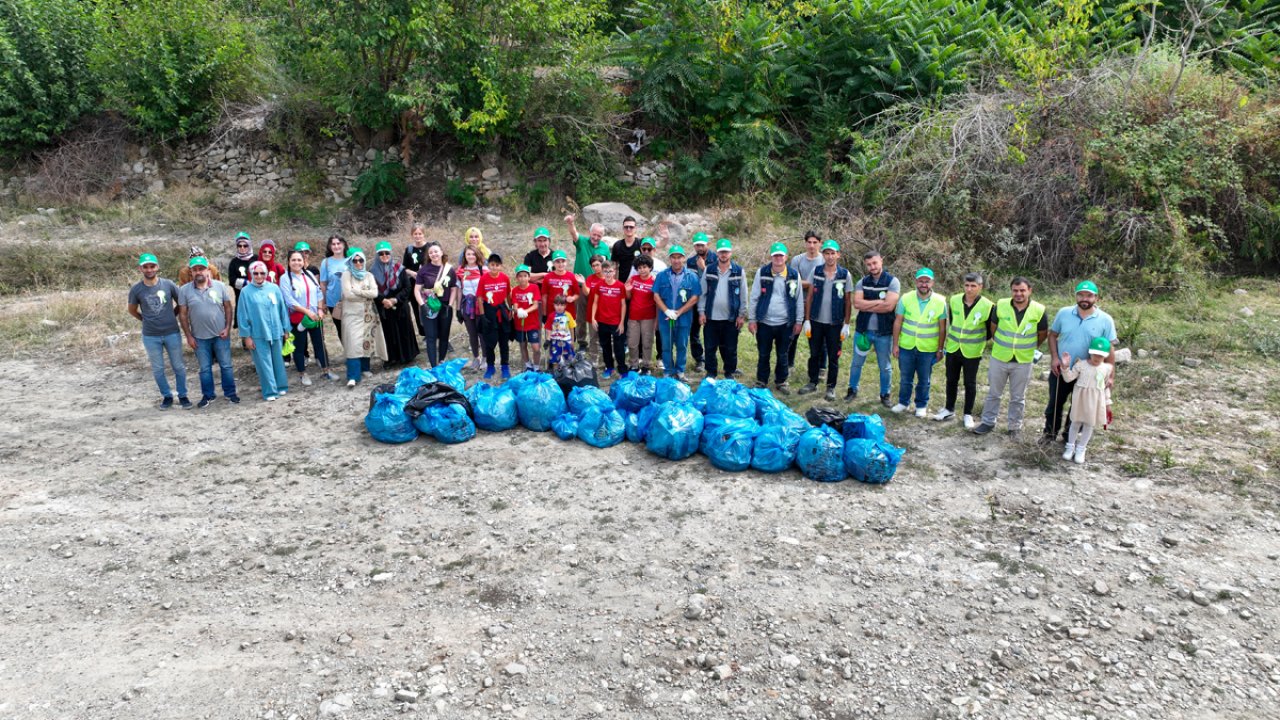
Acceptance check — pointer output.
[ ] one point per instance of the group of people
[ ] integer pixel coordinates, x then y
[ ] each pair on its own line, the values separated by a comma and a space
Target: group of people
642, 310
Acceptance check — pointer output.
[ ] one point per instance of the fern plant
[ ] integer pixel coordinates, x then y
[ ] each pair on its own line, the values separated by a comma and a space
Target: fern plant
382, 183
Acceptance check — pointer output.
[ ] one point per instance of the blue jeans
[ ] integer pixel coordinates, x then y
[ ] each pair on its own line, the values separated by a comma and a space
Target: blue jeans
356, 367
680, 343
272, 376
915, 368
206, 351
157, 346
882, 344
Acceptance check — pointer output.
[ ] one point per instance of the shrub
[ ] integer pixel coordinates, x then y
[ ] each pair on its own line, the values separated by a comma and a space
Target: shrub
45, 81
382, 183
460, 193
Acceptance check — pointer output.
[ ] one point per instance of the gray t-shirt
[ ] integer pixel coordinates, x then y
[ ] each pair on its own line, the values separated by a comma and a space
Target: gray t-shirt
831, 299
873, 323
156, 304
204, 308
804, 267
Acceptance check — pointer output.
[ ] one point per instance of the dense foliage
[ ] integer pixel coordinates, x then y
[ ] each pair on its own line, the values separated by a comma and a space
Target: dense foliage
45, 84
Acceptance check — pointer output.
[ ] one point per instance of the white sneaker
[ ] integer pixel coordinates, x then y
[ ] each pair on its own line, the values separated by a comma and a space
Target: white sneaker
1068, 451
1079, 458
944, 414
330, 376
306, 380
351, 383
270, 399
898, 408
283, 393
922, 412
969, 423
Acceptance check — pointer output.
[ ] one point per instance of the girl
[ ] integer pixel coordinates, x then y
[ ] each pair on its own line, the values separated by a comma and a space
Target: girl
560, 326
331, 269
608, 307
464, 301
475, 239
1090, 398
414, 257
434, 292
267, 256
302, 297
525, 300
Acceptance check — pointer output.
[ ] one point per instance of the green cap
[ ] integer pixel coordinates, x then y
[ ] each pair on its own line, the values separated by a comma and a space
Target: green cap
862, 341
522, 268
1099, 346
701, 238
198, 260
723, 244
353, 250
302, 246
831, 245
648, 241
924, 272
675, 250
541, 232
147, 259
242, 235
1087, 286
558, 255
777, 249
383, 246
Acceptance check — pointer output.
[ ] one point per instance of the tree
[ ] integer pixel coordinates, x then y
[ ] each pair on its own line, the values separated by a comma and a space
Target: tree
45, 82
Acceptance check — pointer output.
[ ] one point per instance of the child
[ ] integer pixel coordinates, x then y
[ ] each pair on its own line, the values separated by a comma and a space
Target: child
526, 299
588, 286
560, 282
608, 306
1090, 398
560, 326
495, 319
642, 320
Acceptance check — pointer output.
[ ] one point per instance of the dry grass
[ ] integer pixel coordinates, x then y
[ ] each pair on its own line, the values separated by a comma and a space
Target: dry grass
69, 324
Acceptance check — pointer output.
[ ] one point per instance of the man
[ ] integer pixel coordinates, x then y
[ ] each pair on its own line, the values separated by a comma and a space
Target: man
585, 247
968, 314
625, 251
774, 315
1018, 328
828, 306
875, 297
721, 308
919, 324
538, 259
204, 307
1073, 328
153, 300
698, 265
675, 293
805, 265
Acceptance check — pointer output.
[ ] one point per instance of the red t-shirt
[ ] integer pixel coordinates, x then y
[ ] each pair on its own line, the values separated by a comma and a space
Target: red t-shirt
526, 298
641, 305
555, 285
609, 302
499, 286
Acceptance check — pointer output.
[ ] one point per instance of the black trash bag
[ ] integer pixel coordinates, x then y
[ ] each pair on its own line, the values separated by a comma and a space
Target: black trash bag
579, 373
818, 417
383, 389
436, 393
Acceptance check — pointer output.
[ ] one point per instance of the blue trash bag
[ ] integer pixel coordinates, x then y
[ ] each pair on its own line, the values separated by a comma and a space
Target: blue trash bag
775, 449
602, 427
820, 454
869, 427
495, 407
706, 390
765, 403
517, 383
585, 396
638, 431
412, 378
538, 403
633, 391
450, 373
671, 390
565, 426
386, 420
871, 461
675, 431
446, 423
729, 442
730, 398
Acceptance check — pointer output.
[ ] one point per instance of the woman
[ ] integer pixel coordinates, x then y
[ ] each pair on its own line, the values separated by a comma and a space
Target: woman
395, 295
331, 269
302, 297
433, 290
184, 274
361, 336
464, 301
475, 239
414, 256
238, 268
267, 255
264, 324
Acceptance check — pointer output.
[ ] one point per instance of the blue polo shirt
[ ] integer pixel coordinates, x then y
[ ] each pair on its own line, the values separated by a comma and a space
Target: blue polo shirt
1075, 333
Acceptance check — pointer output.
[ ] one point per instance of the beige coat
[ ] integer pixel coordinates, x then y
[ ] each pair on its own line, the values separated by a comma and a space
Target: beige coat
1090, 397
361, 331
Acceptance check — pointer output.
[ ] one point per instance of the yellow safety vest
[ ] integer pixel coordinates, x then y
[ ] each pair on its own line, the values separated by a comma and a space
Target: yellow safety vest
1013, 341
968, 334
920, 327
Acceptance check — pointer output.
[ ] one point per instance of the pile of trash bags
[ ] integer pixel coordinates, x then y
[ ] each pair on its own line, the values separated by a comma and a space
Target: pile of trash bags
736, 428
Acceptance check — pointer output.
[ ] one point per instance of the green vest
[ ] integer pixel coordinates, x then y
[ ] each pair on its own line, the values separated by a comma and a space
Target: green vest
920, 327
1014, 342
968, 334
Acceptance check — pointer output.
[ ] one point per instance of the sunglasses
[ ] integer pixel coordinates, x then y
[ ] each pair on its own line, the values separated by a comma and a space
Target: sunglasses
628, 227
258, 272
646, 249
357, 260
384, 252
242, 244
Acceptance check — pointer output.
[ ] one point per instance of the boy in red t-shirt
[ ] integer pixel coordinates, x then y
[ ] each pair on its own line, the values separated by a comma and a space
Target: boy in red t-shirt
608, 306
495, 321
560, 282
642, 318
526, 299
